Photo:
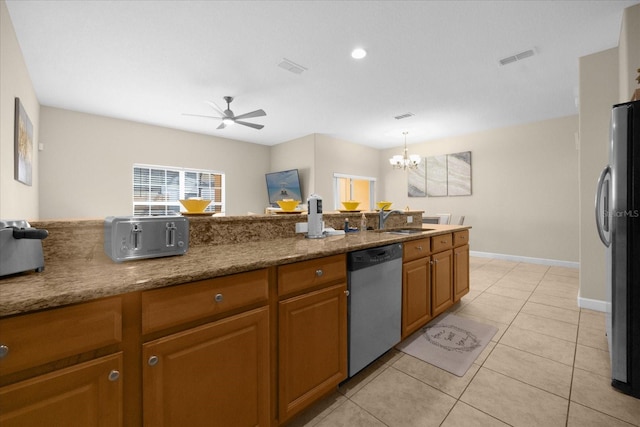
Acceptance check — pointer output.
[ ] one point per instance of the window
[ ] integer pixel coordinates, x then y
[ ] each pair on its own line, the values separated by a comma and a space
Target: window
158, 189
352, 187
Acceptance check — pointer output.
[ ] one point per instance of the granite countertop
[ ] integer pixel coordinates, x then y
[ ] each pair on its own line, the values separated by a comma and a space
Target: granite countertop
66, 281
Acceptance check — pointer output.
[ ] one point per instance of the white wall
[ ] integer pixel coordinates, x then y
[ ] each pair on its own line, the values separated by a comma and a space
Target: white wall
338, 156
17, 200
629, 52
87, 163
598, 92
296, 154
524, 198
318, 157
606, 78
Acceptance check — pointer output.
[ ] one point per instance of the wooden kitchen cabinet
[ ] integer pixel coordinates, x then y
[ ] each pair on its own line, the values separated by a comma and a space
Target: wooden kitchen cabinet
211, 365
460, 264
416, 285
416, 295
442, 281
460, 272
441, 273
63, 366
88, 394
41, 338
312, 334
216, 374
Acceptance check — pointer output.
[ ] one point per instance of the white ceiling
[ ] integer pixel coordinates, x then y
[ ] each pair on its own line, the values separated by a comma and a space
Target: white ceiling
151, 61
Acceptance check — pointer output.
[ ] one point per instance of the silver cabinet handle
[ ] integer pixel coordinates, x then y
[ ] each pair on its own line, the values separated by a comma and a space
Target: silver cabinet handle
4, 350
347, 292
319, 272
153, 361
114, 375
219, 298
419, 248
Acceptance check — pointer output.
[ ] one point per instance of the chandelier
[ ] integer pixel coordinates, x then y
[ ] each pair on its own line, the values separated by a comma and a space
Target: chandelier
405, 160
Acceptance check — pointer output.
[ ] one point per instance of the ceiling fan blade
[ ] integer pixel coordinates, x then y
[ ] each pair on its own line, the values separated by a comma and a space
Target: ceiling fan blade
257, 113
215, 107
201, 115
222, 126
251, 125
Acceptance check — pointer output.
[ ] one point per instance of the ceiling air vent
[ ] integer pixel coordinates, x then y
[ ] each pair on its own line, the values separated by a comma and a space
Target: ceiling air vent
404, 116
291, 66
517, 57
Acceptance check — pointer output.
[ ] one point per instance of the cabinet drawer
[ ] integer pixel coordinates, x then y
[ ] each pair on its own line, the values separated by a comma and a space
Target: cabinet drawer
416, 249
172, 306
39, 338
308, 274
441, 242
460, 238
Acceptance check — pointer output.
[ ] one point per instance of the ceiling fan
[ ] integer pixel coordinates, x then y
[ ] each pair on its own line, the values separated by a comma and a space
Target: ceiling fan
228, 118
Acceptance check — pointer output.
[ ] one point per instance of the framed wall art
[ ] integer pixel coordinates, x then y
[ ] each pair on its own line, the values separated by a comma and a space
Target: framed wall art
437, 176
459, 174
417, 180
23, 145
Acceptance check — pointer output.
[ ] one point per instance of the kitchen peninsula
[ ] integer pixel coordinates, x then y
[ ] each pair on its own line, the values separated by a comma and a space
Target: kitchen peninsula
257, 323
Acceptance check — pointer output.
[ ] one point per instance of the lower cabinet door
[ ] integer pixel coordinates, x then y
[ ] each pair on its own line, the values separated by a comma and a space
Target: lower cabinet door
88, 394
416, 295
312, 347
212, 375
442, 281
460, 272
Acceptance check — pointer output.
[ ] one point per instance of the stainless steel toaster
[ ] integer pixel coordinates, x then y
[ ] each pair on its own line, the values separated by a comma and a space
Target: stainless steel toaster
132, 237
20, 247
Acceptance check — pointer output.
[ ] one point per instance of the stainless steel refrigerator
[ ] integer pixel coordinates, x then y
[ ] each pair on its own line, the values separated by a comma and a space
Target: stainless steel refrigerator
618, 224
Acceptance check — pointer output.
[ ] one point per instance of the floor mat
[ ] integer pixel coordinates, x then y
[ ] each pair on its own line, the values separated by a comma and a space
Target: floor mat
451, 343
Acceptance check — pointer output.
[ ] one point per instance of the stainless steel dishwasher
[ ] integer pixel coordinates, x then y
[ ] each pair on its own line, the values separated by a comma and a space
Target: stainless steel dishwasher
375, 303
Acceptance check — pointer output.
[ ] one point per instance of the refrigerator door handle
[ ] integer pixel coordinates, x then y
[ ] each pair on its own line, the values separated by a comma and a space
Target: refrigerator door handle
601, 181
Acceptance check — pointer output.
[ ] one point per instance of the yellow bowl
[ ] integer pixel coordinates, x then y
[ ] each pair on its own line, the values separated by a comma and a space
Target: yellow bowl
350, 205
195, 205
288, 205
384, 205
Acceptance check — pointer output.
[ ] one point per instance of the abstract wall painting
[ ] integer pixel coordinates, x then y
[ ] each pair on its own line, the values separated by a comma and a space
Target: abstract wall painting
23, 145
459, 174
437, 176
417, 180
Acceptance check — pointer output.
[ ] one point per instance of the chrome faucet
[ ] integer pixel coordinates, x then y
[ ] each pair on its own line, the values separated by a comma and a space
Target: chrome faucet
384, 216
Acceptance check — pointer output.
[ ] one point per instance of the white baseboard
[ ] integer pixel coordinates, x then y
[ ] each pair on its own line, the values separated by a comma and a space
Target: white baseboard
543, 261
592, 304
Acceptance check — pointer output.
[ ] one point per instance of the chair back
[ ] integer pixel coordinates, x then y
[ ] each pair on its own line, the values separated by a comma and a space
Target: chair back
430, 219
444, 218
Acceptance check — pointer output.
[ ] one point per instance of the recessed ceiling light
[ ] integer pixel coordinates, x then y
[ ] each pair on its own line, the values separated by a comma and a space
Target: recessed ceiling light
358, 53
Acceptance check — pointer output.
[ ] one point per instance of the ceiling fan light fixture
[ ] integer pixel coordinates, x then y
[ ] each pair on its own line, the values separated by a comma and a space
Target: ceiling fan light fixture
228, 121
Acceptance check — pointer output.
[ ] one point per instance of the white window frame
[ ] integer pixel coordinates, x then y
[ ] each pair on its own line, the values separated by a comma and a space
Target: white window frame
172, 205
337, 204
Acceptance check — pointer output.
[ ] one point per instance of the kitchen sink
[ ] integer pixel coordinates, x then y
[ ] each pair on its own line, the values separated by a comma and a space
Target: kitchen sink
405, 230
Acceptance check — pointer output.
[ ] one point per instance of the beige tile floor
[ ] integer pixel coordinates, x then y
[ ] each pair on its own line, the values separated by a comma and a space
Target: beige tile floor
548, 365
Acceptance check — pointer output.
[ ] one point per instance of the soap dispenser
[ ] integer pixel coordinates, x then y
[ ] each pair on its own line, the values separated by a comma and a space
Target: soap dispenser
363, 222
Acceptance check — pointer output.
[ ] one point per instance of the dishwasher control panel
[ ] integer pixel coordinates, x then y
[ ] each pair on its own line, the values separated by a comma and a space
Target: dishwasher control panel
360, 259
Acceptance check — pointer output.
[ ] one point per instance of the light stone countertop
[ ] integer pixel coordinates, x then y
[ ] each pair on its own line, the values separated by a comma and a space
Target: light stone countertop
94, 275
